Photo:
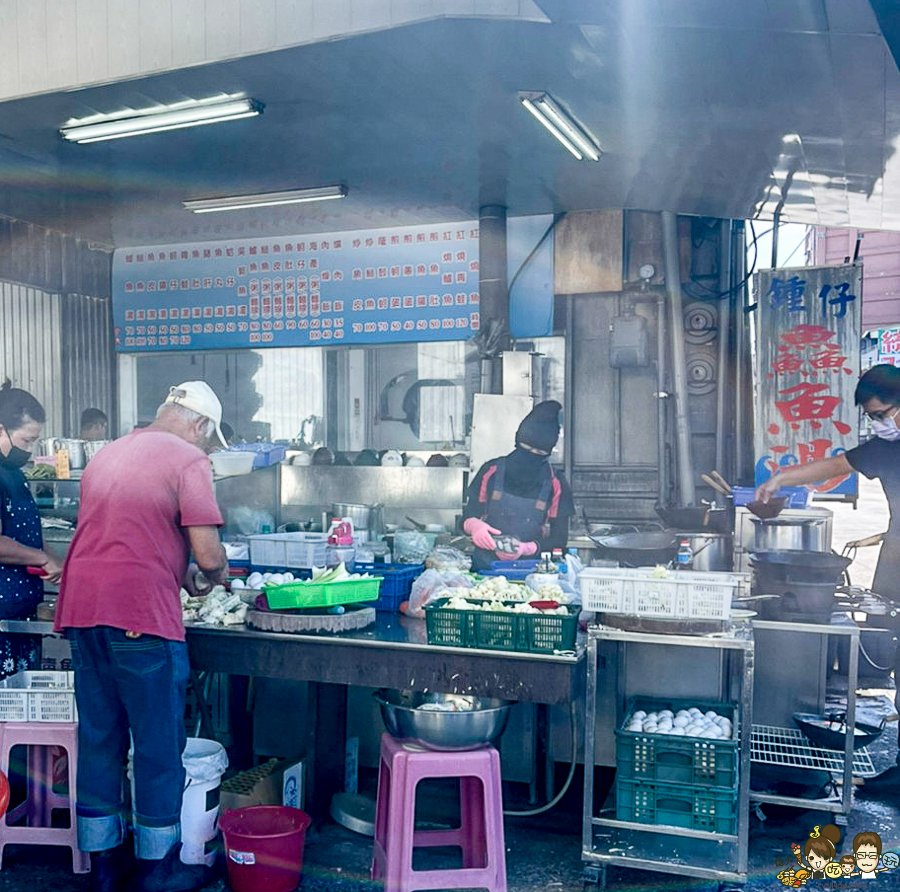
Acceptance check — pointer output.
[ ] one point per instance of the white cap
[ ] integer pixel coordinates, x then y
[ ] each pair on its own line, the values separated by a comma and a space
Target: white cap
200, 398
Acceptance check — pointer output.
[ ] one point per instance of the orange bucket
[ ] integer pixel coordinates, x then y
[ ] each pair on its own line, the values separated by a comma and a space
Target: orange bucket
264, 847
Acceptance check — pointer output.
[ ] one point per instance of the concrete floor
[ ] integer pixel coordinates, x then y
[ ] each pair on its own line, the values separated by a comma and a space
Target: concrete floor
544, 852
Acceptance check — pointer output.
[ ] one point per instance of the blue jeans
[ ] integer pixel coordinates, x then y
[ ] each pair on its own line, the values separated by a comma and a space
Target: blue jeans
136, 684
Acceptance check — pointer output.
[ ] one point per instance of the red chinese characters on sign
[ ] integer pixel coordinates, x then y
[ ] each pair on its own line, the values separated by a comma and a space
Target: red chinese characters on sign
812, 353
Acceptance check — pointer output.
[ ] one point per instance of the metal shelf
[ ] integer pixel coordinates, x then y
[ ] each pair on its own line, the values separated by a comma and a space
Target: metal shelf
771, 745
675, 850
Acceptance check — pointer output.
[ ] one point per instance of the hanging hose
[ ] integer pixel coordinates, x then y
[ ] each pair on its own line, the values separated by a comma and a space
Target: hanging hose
871, 662
565, 787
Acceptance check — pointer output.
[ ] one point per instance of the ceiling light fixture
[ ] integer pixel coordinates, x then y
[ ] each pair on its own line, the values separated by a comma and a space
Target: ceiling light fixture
263, 199
190, 113
574, 137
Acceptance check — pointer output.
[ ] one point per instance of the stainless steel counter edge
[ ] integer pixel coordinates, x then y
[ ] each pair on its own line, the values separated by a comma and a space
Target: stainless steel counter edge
382, 644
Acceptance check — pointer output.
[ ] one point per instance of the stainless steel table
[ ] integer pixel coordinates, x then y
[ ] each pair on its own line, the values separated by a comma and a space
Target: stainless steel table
390, 653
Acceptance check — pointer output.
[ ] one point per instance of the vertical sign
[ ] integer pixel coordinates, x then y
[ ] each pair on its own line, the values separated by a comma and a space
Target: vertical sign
807, 365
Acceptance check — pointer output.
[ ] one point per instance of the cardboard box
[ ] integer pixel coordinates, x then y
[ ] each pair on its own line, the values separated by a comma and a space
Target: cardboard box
276, 782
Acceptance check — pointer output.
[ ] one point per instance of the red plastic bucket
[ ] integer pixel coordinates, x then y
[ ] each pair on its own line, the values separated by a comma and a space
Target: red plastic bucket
264, 847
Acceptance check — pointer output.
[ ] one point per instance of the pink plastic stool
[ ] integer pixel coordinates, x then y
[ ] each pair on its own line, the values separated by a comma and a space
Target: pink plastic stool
480, 834
40, 799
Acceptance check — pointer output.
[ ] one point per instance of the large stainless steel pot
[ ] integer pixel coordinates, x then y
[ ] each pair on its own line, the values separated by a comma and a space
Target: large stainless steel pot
92, 447
75, 448
46, 447
790, 534
363, 517
711, 551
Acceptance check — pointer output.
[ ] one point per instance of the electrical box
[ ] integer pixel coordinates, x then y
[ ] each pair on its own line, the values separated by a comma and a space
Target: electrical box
629, 343
517, 374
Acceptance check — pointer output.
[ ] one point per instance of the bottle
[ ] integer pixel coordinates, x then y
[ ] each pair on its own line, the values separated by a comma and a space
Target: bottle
685, 557
558, 560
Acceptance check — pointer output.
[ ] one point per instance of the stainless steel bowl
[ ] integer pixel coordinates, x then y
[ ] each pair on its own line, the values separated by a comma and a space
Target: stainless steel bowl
465, 729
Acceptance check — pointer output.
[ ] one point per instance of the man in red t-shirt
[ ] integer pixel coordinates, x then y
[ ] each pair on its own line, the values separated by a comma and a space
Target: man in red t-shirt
147, 503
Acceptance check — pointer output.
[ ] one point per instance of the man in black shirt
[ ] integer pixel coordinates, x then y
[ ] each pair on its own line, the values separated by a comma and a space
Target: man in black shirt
878, 392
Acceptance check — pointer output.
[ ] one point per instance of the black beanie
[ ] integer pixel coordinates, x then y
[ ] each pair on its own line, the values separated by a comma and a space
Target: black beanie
540, 427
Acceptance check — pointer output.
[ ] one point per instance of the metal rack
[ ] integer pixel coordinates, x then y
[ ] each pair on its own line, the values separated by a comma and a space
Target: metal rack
788, 748
608, 841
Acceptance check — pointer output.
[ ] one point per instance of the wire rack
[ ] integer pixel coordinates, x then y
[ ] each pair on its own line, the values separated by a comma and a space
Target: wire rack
771, 745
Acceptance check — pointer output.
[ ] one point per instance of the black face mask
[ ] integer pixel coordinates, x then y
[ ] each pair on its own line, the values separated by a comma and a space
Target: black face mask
17, 457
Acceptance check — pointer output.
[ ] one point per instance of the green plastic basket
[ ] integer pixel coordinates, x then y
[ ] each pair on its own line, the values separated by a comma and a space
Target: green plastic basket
298, 595
532, 632
711, 809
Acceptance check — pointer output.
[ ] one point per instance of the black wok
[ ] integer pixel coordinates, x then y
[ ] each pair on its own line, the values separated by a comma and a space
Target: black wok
696, 520
638, 549
818, 560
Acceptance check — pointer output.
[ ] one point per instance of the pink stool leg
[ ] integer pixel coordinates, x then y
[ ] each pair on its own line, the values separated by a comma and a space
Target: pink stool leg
472, 821
44, 735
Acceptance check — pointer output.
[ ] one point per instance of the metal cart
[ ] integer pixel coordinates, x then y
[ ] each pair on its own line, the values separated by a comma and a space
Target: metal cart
605, 840
789, 748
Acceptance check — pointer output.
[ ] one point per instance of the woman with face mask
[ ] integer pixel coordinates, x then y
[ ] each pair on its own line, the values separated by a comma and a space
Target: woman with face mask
518, 505
21, 544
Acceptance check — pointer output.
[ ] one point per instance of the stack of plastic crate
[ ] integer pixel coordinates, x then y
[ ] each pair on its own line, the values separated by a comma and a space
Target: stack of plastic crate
677, 780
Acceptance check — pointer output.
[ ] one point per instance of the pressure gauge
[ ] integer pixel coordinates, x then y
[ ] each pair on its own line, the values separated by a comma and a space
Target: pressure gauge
647, 271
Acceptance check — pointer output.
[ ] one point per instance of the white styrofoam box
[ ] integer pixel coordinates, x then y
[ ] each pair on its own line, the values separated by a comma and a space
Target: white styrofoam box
292, 550
38, 696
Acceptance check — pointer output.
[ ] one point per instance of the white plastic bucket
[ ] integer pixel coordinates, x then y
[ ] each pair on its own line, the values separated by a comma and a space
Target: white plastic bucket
204, 763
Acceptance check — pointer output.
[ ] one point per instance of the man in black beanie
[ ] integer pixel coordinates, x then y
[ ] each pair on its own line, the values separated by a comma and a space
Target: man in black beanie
519, 496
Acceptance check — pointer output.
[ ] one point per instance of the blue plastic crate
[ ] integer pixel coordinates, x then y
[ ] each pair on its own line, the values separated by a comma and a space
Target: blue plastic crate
266, 453
520, 570
397, 581
797, 496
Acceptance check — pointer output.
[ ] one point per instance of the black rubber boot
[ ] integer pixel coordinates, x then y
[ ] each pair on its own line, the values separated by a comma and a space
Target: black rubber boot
170, 874
111, 870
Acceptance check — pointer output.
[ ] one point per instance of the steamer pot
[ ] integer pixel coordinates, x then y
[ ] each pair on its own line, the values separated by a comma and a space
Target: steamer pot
789, 534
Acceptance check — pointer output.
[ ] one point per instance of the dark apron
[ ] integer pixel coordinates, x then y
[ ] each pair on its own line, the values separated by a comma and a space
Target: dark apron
518, 516
20, 592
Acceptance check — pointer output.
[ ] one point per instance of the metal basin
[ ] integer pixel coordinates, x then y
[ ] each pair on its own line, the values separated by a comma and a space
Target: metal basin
465, 729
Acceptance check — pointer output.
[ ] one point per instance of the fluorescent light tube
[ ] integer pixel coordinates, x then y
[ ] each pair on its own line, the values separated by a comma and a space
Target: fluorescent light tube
575, 139
263, 199
98, 128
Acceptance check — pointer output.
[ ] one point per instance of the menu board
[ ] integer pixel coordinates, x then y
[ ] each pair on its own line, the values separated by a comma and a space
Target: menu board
414, 283
807, 367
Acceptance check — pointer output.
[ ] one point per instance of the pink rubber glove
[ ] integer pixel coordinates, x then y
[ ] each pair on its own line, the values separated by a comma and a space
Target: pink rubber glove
481, 533
525, 549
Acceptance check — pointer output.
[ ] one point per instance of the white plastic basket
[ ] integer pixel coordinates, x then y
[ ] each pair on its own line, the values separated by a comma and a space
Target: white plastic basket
33, 696
644, 591
291, 550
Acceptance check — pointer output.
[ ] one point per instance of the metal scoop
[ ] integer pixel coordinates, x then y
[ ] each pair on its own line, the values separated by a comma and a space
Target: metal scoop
767, 510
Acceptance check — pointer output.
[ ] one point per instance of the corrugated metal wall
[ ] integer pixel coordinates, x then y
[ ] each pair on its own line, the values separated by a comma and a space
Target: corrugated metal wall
880, 253
87, 358
31, 336
59, 348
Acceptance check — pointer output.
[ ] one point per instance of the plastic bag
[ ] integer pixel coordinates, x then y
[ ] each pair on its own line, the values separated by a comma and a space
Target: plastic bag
446, 558
430, 584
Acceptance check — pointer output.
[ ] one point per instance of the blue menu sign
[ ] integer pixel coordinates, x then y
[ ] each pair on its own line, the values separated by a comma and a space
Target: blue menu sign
415, 283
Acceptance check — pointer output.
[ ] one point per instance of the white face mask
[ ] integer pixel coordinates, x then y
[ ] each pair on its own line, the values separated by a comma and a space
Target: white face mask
886, 428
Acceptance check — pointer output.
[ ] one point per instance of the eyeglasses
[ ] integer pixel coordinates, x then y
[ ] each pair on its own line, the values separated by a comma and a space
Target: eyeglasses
883, 414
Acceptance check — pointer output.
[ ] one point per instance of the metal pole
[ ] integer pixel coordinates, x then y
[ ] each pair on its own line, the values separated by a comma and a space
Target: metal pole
686, 489
740, 336
661, 396
492, 287
725, 298
775, 222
